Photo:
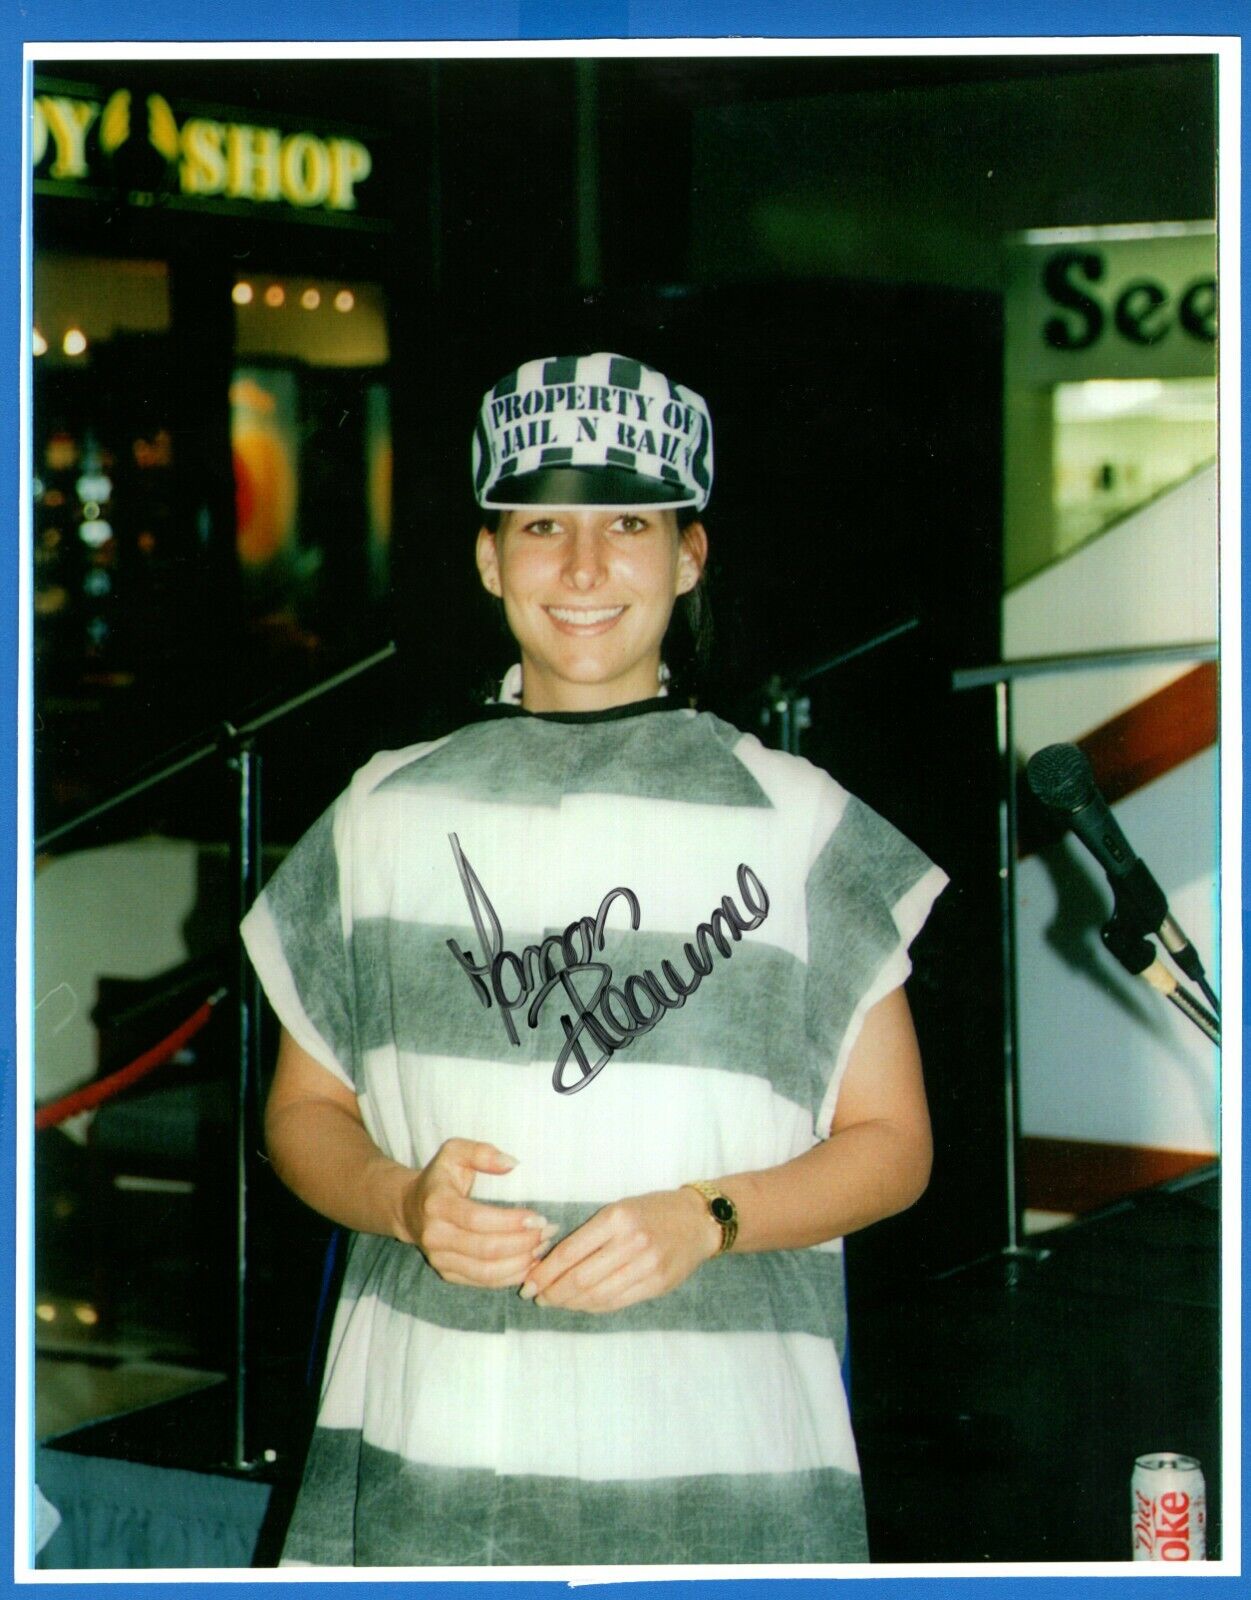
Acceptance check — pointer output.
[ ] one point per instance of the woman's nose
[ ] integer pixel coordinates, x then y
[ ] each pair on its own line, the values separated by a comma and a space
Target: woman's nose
585, 567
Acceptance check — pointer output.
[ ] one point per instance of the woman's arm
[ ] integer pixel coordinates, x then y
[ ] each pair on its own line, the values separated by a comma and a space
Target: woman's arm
322, 1151
875, 1162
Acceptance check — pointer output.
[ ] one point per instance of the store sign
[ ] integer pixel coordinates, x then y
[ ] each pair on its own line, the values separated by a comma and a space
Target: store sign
1103, 306
138, 144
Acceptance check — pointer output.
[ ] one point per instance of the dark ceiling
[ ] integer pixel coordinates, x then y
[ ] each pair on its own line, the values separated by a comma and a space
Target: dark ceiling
379, 93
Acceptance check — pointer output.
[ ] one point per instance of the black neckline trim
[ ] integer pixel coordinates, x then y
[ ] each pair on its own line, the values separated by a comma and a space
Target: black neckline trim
636, 708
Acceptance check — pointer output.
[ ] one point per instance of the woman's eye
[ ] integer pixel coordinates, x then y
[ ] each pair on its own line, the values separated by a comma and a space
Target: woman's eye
631, 524
542, 525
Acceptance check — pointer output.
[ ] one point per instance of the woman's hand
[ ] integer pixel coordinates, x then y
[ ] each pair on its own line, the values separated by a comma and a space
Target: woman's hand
632, 1250
321, 1150
468, 1241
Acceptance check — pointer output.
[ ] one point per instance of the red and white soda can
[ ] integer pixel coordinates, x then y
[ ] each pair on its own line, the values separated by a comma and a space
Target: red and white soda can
1170, 1508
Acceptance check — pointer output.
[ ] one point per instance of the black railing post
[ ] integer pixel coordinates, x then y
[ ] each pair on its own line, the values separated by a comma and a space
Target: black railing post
245, 761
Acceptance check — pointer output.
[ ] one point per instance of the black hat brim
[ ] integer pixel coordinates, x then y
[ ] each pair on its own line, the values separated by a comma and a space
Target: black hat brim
585, 486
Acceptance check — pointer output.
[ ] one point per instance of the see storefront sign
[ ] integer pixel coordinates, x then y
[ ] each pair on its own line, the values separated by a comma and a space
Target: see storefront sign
136, 144
1095, 305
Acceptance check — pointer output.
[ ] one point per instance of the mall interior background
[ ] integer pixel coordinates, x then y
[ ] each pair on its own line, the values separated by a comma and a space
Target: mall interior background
955, 319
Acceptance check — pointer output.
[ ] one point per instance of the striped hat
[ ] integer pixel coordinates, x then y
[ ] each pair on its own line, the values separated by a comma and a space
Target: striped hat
591, 430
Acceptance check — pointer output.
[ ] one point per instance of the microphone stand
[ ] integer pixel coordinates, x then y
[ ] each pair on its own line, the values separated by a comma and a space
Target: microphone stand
1126, 939
237, 748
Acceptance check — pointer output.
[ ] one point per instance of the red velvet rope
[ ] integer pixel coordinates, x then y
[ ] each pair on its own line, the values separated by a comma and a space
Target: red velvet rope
94, 1094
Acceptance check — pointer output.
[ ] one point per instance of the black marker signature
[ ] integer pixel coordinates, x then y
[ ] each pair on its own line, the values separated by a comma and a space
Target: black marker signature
611, 1016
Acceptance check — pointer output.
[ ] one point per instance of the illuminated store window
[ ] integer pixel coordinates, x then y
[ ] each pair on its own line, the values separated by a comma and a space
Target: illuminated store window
311, 442
1118, 443
96, 297
325, 322
103, 535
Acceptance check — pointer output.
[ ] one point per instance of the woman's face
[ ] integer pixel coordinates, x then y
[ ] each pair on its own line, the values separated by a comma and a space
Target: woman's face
588, 593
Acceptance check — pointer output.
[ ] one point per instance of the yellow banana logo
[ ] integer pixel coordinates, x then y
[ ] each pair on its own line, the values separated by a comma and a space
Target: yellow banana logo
162, 127
115, 122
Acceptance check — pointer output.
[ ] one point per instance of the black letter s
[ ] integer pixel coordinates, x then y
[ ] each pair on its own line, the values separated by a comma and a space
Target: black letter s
1057, 332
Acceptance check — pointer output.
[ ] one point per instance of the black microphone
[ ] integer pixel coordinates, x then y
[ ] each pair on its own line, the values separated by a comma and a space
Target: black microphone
1060, 776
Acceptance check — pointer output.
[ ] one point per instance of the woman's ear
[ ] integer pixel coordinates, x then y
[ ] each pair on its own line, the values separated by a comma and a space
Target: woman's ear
488, 559
692, 556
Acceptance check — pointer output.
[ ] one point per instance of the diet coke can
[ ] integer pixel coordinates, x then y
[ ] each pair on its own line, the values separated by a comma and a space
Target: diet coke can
1170, 1510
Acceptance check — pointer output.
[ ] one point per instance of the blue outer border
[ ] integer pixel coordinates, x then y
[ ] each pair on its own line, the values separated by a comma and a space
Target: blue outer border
49, 20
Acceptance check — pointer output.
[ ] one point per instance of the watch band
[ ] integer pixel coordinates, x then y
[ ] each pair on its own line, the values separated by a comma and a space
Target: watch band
722, 1210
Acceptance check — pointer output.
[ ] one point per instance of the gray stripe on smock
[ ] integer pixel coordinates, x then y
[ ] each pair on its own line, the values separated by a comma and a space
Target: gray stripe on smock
774, 1291
303, 899
409, 1515
412, 991
520, 761
866, 867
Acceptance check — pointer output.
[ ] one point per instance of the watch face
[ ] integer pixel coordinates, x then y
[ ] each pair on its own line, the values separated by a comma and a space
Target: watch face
721, 1209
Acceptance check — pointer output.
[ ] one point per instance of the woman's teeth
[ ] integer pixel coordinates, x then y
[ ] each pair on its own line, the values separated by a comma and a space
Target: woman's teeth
585, 618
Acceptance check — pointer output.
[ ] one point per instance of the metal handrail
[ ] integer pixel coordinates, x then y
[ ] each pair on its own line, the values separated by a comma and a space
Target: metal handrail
228, 736
1085, 661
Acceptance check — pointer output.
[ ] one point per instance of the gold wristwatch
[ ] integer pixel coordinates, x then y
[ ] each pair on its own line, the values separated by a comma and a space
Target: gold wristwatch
722, 1210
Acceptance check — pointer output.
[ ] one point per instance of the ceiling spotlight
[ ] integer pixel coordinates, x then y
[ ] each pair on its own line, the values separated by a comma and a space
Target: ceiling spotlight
275, 295
241, 294
74, 342
38, 343
344, 300
310, 299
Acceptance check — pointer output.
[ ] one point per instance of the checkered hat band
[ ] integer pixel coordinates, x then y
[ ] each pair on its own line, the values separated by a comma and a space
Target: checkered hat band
593, 411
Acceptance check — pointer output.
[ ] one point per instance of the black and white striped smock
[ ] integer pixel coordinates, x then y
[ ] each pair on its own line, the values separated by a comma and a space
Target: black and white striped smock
464, 1427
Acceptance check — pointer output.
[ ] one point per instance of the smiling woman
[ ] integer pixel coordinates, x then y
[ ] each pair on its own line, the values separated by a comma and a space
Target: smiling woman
588, 593
620, 1343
